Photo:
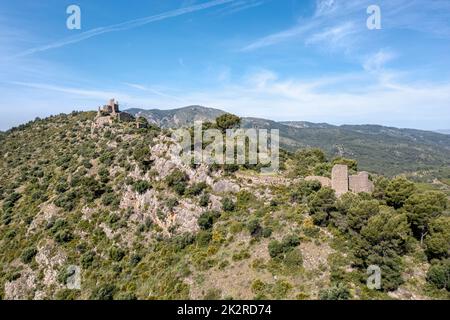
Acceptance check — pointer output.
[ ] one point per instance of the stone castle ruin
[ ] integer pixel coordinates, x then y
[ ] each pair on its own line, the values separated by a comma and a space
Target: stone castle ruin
112, 108
110, 112
342, 183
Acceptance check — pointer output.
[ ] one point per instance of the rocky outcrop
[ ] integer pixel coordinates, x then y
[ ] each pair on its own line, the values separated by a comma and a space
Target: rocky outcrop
225, 186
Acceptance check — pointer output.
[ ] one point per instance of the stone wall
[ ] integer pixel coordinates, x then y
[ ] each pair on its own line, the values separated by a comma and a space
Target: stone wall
111, 111
339, 179
361, 183
341, 182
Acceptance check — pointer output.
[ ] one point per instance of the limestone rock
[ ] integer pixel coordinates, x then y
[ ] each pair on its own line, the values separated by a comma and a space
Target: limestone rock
225, 186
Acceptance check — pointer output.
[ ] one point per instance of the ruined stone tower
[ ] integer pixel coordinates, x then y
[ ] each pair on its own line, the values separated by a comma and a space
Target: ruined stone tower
339, 179
113, 107
341, 182
110, 112
360, 182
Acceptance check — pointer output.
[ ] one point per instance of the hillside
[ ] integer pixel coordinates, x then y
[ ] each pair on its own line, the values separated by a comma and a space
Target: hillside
379, 149
116, 203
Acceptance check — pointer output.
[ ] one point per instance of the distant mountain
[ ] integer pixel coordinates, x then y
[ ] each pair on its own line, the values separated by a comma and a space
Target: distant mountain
443, 131
305, 124
176, 118
378, 149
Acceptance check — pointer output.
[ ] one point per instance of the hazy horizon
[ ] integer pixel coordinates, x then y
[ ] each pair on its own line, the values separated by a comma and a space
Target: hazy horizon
444, 130
316, 60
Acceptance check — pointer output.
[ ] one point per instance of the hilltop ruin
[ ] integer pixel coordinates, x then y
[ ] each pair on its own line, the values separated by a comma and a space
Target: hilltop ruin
110, 112
341, 182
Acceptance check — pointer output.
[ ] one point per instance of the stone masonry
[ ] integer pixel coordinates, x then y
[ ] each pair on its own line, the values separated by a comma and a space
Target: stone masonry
110, 112
342, 183
360, 182
339, 179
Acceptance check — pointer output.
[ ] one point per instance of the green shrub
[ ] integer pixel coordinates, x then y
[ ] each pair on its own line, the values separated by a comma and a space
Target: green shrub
293, 259
281, 289
142, 156
177, 180
255, 228
204, 237
279, 249
63, 236
204, 200
87, 259
196, 189
110, 199
67, 201
244, 199
422, 209
304, 189
116, 254
267, 232
141, 186
171, 203
241, 255
398, 191
104, 292
439, 275
66, 294
322, 204
228, 204
207, 219
228, 121
276, 249
437, 242
135, 259
28, 254
183, 240
230, 168
337, 292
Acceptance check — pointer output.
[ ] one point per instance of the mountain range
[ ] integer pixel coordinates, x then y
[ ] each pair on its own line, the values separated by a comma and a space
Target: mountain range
377, 148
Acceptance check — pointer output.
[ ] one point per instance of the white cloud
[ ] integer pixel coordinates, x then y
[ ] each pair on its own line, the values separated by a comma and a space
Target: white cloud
124, 26
270, 40
332, 19
154, 91
339, 36
377, 61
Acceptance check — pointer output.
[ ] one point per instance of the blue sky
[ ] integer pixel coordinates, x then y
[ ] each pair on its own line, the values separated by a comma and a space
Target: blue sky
312, 60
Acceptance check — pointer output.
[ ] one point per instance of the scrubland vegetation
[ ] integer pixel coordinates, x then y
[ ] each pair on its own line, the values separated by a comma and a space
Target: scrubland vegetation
69, 195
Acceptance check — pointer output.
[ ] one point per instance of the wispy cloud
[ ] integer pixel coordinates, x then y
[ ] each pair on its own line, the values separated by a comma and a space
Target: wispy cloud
281, 36
98, 94
377, 61
332, 20
339, 36
239, 6
124, 26
153, 91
